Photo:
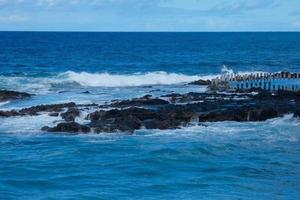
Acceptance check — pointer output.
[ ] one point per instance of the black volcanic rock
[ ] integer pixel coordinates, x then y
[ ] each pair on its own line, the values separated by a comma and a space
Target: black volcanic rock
266, 113
155, 113
94, 116
297, 114
53, 114
10, 113
70, 114
158, 124
36, 110
200, 82
128, 120
240, 115
46, 108
6, 95
143, 101
69, 127
128, 124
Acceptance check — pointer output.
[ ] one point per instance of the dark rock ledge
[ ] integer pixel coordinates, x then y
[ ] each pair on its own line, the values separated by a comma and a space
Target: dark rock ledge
168, 112
6, 95
37, 110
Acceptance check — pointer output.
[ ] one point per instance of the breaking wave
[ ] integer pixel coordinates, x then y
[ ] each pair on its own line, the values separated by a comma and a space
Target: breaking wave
85, 79
137, 79
40, 84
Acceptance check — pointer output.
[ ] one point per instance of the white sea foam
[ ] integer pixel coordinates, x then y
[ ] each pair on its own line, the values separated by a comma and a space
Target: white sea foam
4, 103
275, 130
85, 79
26, 124
278, 129
137, 79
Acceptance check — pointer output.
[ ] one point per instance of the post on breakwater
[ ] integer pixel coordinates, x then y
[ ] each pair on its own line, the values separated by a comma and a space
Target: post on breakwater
265, 81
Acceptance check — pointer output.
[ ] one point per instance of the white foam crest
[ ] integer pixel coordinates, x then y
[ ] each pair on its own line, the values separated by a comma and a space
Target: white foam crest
4, 103
28, 84
137, 79
85, 79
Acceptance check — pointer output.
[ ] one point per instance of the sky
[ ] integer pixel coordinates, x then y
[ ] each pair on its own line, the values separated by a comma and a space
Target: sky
150, 15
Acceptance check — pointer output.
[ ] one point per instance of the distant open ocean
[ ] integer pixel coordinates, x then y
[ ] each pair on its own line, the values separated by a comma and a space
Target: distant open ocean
224, 160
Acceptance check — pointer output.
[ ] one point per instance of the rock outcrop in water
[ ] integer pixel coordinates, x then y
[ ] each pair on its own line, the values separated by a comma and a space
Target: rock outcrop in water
168, 112
297, 114
69, 127
70, 114
134, 118
200, 82
36, 110
6, 95
143, 101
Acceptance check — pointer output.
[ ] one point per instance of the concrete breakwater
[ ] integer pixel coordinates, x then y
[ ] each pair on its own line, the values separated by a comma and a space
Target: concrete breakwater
265, 81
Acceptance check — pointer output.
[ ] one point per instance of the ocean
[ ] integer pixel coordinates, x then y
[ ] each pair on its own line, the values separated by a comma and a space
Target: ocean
223, 160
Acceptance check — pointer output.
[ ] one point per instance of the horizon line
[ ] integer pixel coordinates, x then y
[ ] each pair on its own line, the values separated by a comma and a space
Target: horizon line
77, 31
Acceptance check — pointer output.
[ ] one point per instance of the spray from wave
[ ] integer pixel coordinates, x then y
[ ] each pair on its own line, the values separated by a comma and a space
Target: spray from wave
227, 70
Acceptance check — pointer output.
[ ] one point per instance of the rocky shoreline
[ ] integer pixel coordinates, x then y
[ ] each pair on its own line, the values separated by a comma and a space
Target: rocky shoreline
170, 111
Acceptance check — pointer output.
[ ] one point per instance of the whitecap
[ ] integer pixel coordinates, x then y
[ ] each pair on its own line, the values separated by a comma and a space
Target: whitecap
4, 103
71, 79
130, 80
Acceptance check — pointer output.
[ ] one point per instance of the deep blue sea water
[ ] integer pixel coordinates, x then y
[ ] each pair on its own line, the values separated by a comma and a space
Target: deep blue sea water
226, 160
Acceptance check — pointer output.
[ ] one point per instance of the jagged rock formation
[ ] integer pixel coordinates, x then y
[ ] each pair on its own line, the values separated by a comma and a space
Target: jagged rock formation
168, 112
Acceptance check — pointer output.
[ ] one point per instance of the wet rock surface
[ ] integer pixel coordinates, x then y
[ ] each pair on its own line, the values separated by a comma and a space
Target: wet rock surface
200, 82
6, 95
240, 115
130, 119
146, 100
167, 112
69, 127
70, 114
36, 110
297, 114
